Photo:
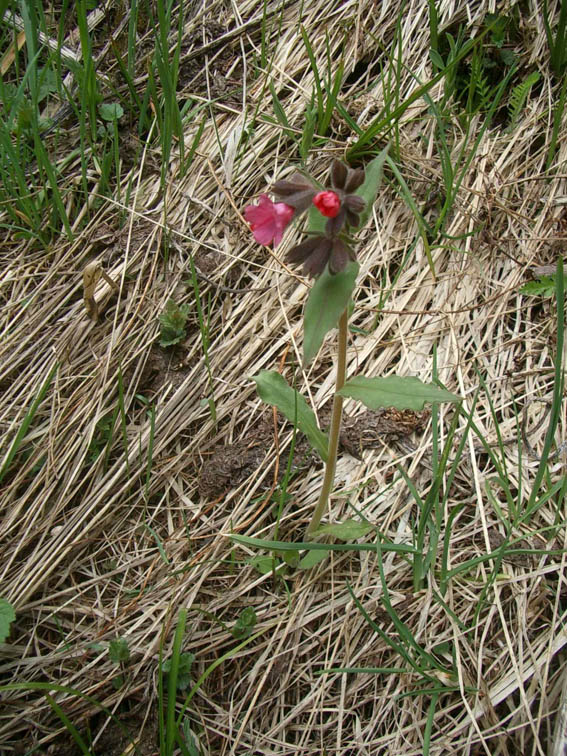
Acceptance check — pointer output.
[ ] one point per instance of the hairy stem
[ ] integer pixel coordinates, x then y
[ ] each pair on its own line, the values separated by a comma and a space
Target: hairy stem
334, 430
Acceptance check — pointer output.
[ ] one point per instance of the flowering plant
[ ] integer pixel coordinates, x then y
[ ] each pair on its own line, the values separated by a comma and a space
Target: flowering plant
327, 255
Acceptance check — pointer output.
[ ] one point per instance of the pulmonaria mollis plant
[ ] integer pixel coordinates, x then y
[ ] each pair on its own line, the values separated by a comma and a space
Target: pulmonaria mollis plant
327, 255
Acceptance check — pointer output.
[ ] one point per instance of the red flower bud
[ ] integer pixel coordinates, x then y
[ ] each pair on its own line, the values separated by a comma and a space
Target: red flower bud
328, 204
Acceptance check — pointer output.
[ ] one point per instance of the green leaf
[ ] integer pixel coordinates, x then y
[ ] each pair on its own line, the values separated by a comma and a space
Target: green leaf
400, 548
47, 83
326, 303
245, 623
436, 59
311, 559
544, 287
316, 222
7, 616
349, 530
184, 669
263, 564
119, 651
508, 57
273, 389
369, 189
111, 111
291, 558
248, 617
394, 391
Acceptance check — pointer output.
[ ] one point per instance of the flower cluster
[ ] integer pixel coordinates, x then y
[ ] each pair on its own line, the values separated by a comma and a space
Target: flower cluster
340, 205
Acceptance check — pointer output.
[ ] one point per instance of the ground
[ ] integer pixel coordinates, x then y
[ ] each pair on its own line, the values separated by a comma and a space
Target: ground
126, 466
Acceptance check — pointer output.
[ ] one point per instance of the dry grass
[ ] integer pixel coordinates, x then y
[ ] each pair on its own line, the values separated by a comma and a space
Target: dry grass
79, 560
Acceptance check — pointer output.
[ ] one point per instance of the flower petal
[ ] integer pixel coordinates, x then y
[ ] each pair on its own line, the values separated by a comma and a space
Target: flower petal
268, 220
339, 256
355, 203
339, 173
334, 225
327, 203
301, 252
315, 263
354, 180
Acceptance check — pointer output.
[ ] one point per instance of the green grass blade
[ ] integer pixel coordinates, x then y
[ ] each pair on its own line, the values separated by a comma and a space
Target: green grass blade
316, 77
30, 414
171, 725
557, 385
152, 412
49, 687
211, 668
421, 223
69, 726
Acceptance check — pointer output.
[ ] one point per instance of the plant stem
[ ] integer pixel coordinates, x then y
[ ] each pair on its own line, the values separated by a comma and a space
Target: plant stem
335, 428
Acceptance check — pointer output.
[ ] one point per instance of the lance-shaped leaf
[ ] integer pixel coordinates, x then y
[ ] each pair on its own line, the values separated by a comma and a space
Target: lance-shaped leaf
394, 391
327, 301
369, 189
273, 389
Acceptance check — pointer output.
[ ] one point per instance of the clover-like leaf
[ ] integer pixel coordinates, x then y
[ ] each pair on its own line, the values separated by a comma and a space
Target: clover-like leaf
273, 389
111, 111
395, 391
543, 287
245, 623
327, 301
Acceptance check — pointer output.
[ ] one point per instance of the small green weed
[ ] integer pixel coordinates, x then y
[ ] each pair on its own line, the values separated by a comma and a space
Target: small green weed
518, 97
546, 286
172, 323
183, 672
245, 624
119, 653
102, 437
473, 72
7, 616
204, 323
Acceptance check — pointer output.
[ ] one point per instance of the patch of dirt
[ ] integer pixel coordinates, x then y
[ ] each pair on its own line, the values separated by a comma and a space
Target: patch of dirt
164, 366
228, 466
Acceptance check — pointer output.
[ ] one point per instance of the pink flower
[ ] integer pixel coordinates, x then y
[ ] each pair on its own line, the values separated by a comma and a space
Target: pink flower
328, 204
268, 220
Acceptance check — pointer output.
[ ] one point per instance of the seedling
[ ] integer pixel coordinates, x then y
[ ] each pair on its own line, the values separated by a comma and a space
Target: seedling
328, 256
119, 653
172, 323
244, 624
